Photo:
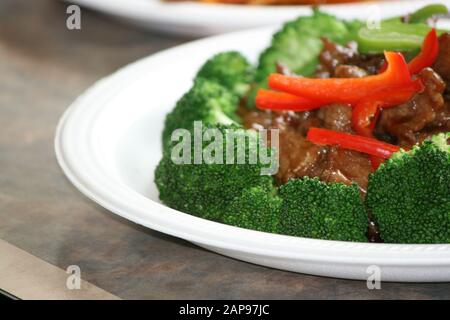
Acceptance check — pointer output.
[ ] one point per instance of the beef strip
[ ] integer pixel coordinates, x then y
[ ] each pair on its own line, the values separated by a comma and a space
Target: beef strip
344, 61
413, 121
441, 122
442, 63
299, 157
336, 117
349, 71
333, 55
342, 165
426, 113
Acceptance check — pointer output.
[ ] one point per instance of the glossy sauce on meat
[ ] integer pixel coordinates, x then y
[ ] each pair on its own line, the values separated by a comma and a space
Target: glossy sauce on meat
420, 117
299, 157
425, 114
345, 61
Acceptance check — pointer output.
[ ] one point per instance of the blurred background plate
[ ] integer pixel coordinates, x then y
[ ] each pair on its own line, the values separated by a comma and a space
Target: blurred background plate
200, 19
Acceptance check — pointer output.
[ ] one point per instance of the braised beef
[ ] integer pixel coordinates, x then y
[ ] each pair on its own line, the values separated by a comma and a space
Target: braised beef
410, 122
442, 64
299, 157
333, 55
441, 122
426, 113
336, 117
344, 61
349, 71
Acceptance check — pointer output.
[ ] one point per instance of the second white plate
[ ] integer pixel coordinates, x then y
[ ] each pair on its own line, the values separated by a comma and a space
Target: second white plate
200, 19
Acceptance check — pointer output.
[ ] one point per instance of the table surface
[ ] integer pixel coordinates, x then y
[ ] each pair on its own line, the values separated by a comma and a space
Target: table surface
43, 68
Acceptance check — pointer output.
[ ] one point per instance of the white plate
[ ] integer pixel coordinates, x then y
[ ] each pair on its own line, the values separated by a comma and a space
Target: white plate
108, 144
199, 19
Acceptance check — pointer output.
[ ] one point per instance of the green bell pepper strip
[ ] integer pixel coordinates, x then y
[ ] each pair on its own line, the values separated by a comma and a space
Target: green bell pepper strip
393, 36
421, 15
425, 13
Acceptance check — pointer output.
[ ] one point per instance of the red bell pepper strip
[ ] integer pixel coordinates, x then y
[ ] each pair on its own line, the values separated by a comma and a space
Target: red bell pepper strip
364, 116
346, 90
365, 112
427, 55
376, 162
274, 100
352, 142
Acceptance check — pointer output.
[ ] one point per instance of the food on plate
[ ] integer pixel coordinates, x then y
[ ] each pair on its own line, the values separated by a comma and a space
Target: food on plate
344, 133
297, 47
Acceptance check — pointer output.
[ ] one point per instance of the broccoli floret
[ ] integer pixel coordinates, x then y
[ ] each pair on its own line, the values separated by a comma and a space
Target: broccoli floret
206, 101
256, 209
315, 209
230, 69
298, 44
205, 189
409, 195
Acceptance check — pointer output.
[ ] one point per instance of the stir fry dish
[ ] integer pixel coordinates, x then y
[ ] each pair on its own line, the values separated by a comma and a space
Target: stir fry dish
356, 116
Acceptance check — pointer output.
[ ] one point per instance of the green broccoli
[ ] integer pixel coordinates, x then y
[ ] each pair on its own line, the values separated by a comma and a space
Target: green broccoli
298, 44
315, 209
256, 209
206, 101
231, 70
409, 195
205, 189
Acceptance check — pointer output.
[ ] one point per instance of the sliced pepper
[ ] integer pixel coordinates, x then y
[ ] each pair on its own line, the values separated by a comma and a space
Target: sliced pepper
427, 55
275, 100
348, 90
427, 12
421, 15
376, 162
393, 36
364, 116
365, 112
348, 141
